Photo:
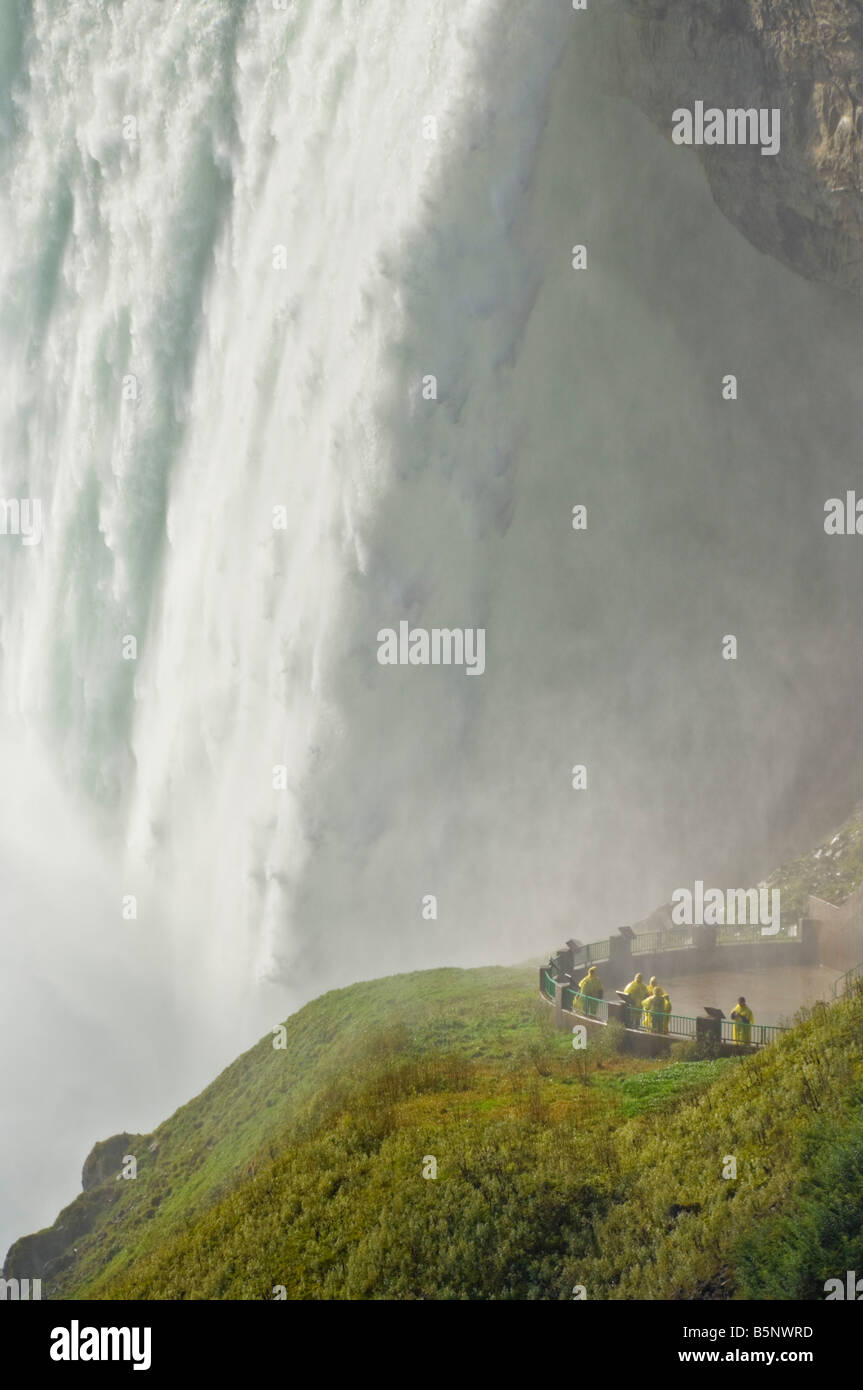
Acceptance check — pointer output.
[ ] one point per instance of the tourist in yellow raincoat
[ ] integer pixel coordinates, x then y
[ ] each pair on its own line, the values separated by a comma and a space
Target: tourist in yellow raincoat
663, 1021
654, 1007
646, 1016
743, 1021
637, 991
590, 989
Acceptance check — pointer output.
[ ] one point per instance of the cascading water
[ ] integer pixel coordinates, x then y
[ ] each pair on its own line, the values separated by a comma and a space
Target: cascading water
237, 241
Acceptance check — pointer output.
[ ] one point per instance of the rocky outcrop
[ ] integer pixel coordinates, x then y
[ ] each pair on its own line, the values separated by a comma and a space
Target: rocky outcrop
105, 1159
50, 1252
805, 204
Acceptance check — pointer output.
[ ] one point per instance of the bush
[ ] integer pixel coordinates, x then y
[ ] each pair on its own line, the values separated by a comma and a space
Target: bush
820, 1235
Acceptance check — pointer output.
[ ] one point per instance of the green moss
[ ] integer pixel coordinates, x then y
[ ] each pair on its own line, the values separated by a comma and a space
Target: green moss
650, 1090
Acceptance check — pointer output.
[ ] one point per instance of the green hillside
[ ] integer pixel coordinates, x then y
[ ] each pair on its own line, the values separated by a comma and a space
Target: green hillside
266, 1095
303, 1168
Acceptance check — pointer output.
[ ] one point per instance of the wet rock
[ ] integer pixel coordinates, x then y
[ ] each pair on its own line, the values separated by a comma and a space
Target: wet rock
805, 205
105, 1159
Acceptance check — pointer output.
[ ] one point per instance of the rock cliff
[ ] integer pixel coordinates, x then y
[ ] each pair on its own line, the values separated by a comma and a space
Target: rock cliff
805, 205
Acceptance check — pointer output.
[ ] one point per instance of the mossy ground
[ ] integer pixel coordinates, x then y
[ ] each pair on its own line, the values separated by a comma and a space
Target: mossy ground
303, 1167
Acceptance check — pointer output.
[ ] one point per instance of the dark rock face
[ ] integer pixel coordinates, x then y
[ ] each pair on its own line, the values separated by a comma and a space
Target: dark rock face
46, 1253
805, 204
105, 1160
49, 1252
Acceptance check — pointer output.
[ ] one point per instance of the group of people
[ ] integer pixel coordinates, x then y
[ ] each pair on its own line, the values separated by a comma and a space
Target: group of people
652, 1000
650, 1006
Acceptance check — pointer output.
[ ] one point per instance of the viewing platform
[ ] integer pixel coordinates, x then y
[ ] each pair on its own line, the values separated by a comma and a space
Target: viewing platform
652, 1034
786, 969
691, 950
669, 954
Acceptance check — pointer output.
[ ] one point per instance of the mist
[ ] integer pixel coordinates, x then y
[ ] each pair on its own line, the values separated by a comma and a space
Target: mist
230, 307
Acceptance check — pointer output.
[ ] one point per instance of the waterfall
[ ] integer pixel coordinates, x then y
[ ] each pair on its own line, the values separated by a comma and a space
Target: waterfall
293, 351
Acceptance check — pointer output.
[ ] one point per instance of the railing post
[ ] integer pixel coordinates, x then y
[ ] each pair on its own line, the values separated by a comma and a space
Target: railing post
618, 1012
620, 952
559, 987
709, 1028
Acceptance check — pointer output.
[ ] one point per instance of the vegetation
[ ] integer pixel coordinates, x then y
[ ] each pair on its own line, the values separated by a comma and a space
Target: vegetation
650, 1090
303, 1168
820, 1236
830, 872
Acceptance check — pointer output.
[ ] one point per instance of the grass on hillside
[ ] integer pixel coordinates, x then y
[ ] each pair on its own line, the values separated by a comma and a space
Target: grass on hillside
545, 1183
651, 1090
303, 1170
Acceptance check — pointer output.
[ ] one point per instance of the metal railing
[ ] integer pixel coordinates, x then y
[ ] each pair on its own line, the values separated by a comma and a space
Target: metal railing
673, 1024
669, 1025
598, 950
744, 934
585, 1005
650, 1021
648, 942
756, 1034
729, 934
841, 985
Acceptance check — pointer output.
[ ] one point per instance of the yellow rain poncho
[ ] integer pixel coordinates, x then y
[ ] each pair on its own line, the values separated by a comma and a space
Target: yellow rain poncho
654, 1007
637, 991
743, 1021
590, 989
666, 1004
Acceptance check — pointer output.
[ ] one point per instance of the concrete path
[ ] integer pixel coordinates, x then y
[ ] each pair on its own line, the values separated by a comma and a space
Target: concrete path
773, 995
